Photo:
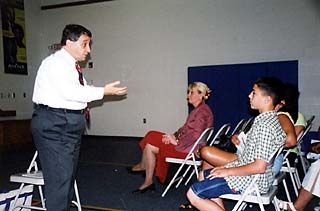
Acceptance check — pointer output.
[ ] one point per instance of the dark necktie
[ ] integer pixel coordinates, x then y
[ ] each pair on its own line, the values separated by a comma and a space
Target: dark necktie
81, 82
80, 73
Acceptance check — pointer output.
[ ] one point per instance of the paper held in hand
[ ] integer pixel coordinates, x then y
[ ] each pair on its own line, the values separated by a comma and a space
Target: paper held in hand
242, 139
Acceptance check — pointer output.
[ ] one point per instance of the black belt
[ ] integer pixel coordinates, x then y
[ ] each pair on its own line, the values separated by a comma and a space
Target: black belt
62, 110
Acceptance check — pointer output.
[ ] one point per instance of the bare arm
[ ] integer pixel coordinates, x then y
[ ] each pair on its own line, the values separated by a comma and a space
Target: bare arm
299, 129
288, 128
256, 167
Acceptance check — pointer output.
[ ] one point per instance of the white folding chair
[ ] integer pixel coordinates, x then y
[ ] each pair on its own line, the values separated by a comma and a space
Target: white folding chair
190, 160
310, 120
246, 127
252, 194
34, 176
239, 127
293, 173
224, 129
292, 170
304, 162
281, 178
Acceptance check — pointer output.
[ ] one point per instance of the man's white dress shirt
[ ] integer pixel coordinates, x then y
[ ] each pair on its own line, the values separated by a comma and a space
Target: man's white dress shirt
57, 84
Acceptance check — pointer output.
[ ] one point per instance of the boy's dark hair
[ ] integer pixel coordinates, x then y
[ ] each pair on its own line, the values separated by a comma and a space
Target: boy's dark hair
272, 87
73, 32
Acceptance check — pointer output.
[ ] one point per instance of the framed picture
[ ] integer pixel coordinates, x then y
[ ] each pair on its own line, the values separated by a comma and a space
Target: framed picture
14, 42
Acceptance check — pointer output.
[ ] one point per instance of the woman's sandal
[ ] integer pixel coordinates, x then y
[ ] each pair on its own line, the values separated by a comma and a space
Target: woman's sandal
185, 206
284, 205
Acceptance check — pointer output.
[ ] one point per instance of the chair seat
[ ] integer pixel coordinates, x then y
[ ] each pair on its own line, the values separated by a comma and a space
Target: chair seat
35, 178
279, 178
188, 162
287, 169
265, 198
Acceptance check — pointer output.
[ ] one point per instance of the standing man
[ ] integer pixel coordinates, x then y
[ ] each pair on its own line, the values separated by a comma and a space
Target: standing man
60, 99
264, 137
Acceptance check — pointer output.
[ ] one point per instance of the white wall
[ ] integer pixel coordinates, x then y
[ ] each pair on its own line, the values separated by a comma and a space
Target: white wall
20, 84
148, 45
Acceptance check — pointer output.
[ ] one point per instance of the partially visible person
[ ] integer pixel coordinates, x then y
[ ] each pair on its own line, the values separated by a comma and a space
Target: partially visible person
288, 115
289, 106
60, 99
314, 150
264, 137
300, 124
315, 147
310, 187
156, 146
293, 123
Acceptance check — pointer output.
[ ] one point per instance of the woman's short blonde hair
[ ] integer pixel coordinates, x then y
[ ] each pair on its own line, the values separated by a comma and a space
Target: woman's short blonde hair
201, 87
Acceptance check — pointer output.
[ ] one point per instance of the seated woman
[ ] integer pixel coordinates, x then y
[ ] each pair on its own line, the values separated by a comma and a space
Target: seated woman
287, 114
156, 146
289, 107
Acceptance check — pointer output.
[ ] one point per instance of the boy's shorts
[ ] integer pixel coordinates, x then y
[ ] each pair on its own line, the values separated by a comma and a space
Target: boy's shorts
214, 188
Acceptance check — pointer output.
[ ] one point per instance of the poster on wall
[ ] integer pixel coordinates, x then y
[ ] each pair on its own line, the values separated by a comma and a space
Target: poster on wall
14, 41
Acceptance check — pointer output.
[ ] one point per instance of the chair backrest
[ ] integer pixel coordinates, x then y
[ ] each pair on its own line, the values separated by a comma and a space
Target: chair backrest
33, 163
299, 142
271, 160
224, 129
309, 121
274, 155
246, 127
303, 133
238, 127
203, 138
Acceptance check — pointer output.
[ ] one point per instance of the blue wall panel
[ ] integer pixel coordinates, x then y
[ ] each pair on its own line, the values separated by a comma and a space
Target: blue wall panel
231, 85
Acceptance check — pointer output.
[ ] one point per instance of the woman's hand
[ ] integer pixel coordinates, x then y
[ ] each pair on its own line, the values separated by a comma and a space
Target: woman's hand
169, 139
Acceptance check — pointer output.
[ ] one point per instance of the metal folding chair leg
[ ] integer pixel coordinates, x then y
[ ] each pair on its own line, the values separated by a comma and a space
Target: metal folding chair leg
35, 177
15, 206
286, 190
77, 202
296, 183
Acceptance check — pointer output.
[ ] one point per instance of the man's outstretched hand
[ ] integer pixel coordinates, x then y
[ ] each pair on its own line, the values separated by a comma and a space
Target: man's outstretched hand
112, 89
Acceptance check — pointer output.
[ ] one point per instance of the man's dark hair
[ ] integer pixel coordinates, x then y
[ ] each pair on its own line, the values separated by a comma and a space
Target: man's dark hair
72, 32
272, 87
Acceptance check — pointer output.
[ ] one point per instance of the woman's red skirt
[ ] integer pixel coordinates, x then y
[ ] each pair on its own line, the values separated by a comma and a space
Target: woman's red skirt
154, 138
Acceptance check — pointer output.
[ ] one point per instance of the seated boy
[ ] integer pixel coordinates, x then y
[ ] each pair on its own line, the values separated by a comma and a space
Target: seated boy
264, 137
